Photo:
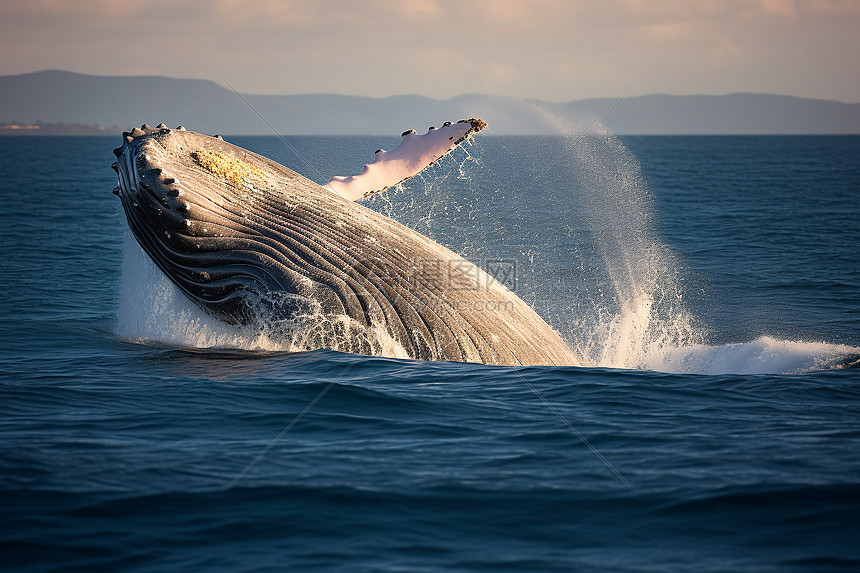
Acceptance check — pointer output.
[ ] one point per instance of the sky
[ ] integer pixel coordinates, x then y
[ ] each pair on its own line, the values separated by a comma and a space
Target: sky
556, 50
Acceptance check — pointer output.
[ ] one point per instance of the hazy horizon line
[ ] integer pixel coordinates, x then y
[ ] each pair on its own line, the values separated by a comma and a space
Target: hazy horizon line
228, 87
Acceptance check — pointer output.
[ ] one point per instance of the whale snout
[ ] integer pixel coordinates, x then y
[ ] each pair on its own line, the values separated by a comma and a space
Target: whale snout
150, 197
209, 214
178, 211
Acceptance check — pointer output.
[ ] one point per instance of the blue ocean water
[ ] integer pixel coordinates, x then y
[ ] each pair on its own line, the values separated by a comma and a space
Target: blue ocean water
710, 284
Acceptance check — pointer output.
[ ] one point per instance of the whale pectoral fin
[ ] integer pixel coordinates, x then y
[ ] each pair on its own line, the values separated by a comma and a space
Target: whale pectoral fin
414, 154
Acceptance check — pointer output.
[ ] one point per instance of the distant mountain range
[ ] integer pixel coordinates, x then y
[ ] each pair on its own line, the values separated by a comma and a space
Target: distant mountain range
58, 97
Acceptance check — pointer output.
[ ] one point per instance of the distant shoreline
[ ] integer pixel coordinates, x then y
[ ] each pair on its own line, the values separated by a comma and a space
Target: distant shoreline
66, 103
39, 128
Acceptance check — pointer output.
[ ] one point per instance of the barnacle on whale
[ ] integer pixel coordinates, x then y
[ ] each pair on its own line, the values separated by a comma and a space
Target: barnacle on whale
238, 173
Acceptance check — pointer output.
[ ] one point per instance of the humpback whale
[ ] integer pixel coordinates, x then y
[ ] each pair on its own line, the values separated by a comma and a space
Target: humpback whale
248, 239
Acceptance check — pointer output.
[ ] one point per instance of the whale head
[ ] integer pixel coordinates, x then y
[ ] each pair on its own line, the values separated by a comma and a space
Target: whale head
205, 212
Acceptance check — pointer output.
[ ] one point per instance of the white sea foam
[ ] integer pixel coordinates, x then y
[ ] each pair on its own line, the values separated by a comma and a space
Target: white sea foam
765, 355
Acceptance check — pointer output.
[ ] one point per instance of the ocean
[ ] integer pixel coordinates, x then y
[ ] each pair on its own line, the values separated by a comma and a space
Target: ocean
710, 285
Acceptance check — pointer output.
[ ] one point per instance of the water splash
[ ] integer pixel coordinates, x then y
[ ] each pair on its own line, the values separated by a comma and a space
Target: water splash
638, 309
443, 194
629, 305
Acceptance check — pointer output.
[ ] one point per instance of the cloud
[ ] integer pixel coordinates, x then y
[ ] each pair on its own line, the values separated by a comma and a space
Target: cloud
833, 7
501, 72
779, 8
553, 49
414, 9
667, 32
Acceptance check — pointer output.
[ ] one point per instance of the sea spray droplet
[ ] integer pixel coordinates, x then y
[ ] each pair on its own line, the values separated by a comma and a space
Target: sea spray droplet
625, 303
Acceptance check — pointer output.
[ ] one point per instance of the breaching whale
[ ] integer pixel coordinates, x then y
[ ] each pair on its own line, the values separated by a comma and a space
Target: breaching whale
248, 239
